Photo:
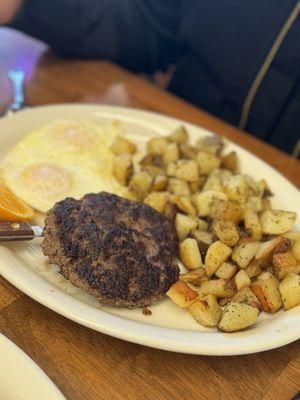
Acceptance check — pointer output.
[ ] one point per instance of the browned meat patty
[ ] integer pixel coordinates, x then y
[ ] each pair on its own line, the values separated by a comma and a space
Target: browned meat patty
119, 250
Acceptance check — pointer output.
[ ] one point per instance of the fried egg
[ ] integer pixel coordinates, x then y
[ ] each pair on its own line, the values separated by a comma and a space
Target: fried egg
66, 158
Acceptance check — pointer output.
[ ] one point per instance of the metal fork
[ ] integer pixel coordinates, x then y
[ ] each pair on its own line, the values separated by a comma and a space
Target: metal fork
17, 79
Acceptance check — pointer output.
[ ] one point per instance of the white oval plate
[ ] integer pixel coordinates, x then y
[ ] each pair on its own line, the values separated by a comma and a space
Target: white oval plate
21, 378
169, 327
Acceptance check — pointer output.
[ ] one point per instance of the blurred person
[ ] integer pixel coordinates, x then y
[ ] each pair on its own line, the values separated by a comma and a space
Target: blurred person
239, 60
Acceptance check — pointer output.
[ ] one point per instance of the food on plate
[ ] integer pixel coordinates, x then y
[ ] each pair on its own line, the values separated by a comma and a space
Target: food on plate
12, 208
238, 255
121, 251
67, 158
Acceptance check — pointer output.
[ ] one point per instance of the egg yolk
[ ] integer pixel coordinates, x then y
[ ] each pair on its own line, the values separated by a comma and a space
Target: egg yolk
46, 180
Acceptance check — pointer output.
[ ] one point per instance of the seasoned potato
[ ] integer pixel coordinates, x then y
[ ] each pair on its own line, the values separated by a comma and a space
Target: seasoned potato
202, 236
187, 170
184, 204
285, 263
244, 253
265, 251
195, 277
266, 204
242, 279
254, 203
237, 189
293, 236
179, 136
189, 254
184, 225
160, 183
217, 287
277, 222
226, 231
266, 289
253, 269
187, 151
290, 291
224, 210
171, 170
213, 182
182, 294
202, 225
296, 250
120, 145
283, 246
157, 200
246, 296
207, 162
230, 161
152, 159
213, 144
226, 270
204, 201
217, 253
206, 311
153, 170
171, 211
197, 185
123, 169
237, 316
252, 224
141, 183
170, 153
181, 188
157, 145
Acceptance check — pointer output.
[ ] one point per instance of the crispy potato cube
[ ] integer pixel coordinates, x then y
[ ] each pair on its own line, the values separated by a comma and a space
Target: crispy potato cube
141, 184
217, 287
153, 170
266, 289
283, 246
253, 269
230, 161
187, 170
170, 153
242, 279
202, 236
290, 291
226, 231
237, 189
237, 316
296, 250
202, 225
265, 251
206, 311
182, 294
216, 254
194, 277
207, 162
223, 301
171, 170
181, 188
285, 263
157, 200
277, 222
184, 204
157, 145
252, 224
225, 210
204, 201
213, 182
171, 211
254, 204
152, 159
179, 136
160, 183
187, 151
244, 253
197, 185
246, 296
123, 169
293, 236
266, 204
120, 145
184, 225
212, 144
189, 254
226, 270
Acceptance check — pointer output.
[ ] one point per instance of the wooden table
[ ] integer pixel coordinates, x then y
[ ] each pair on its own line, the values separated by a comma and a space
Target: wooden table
89, 365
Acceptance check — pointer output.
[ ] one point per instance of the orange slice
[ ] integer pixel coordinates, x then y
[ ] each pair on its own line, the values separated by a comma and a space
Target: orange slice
12, 208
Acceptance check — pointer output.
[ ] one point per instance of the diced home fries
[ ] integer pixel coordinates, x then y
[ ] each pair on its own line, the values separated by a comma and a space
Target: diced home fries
239, 255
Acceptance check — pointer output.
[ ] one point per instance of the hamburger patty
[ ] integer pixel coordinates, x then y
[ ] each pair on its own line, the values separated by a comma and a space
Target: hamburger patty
119, 250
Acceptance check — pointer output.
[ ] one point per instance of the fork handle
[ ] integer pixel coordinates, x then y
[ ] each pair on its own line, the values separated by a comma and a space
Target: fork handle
12, 231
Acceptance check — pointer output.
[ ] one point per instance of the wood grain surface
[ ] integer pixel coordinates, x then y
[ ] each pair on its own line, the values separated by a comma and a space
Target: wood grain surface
87, 365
